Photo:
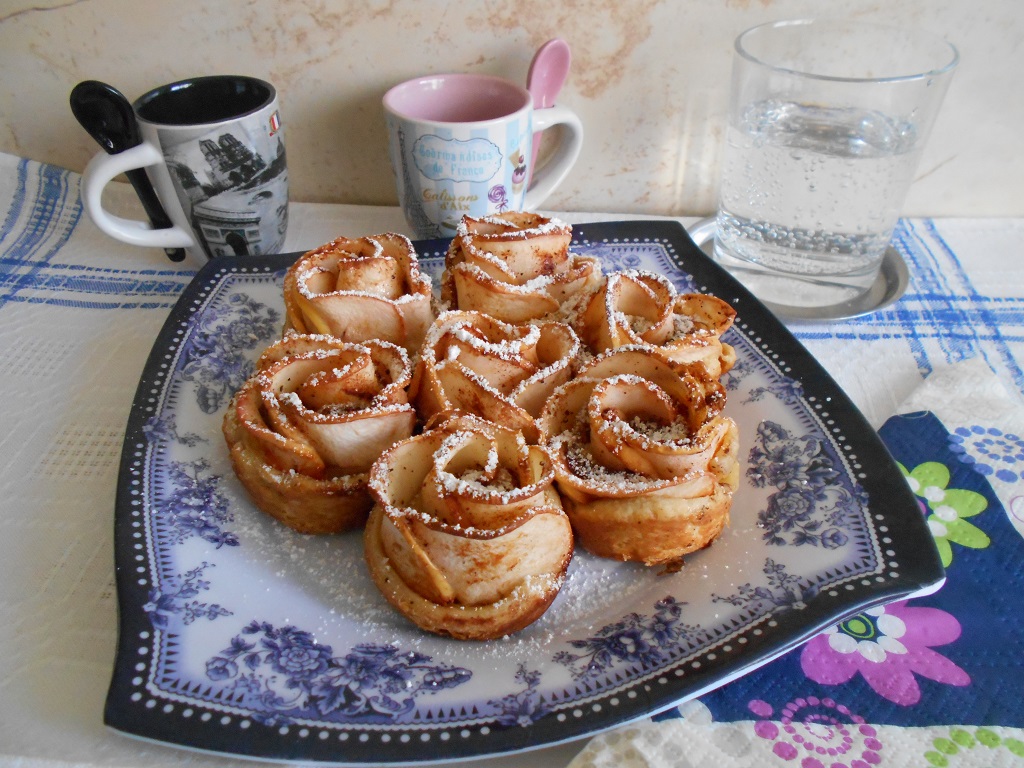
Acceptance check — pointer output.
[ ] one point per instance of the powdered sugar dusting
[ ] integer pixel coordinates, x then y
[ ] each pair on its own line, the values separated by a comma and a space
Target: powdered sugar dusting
503, 229
510, 348
537, 284
675, 432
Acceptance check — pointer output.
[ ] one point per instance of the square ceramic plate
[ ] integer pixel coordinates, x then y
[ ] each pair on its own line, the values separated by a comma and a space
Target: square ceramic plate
241, 637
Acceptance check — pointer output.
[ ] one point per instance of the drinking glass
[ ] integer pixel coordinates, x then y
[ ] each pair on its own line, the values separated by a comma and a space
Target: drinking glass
827, 120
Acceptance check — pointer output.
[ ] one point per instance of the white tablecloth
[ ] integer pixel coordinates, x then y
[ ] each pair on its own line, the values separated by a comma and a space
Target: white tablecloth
79, 313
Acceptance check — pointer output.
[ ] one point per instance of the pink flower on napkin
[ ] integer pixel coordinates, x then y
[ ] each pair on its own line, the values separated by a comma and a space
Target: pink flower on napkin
821, 732
889, 645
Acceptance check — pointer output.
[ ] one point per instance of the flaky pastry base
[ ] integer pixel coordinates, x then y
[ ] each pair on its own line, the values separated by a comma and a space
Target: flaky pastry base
303, 503
659, 528
522, 607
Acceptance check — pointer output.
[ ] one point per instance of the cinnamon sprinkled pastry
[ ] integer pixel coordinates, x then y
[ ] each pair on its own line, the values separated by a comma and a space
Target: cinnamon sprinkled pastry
304, 430
515, 267
645, 463
638, 307
468, 537
473, 363
370, 288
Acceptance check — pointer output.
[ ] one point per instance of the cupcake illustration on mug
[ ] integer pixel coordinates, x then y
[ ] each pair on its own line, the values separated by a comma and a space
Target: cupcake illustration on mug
518, 160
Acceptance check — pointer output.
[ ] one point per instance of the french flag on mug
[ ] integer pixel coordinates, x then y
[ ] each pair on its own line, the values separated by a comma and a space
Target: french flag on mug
275, 122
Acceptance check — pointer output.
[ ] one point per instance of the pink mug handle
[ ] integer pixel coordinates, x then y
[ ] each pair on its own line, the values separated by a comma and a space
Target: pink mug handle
543, 184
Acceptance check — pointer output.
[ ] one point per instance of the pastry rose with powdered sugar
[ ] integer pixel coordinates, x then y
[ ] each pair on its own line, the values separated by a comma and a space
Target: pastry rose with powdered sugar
515, 267
645, 463
369, 288
468, 537
472, 363
304, 430
637, 307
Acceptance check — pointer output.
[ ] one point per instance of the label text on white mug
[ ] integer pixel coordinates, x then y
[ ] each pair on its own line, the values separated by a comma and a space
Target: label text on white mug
439, 159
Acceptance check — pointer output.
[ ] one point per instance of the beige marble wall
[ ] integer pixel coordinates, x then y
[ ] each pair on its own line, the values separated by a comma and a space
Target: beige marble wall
649, 79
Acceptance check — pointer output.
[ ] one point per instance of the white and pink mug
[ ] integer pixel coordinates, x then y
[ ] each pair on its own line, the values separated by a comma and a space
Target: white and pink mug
461, 144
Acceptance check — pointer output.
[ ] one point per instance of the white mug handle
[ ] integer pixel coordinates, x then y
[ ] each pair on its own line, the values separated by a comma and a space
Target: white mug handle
100, 171
544, 183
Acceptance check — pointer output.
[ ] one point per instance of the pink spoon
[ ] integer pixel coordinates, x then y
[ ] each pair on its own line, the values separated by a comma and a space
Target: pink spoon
547, 74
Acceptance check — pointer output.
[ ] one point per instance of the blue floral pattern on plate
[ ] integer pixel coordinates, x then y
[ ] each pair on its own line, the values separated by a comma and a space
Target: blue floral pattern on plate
289, 676
813, 502
241, 637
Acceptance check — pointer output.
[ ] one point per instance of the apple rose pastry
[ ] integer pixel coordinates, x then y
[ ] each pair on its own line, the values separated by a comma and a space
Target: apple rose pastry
645, 463
304, 430
636, 307
370, 288
515, 267
468, 537
503, 373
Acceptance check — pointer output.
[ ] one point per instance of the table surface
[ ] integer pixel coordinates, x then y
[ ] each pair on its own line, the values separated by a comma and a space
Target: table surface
80, 313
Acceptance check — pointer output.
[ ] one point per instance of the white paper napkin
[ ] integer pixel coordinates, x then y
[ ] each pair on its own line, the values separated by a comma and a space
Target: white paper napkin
985, 420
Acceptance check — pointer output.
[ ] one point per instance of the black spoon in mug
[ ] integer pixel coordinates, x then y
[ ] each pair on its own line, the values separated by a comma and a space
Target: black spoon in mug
108, 117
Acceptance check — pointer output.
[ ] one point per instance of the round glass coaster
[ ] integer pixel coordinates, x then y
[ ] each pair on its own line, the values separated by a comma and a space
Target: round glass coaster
891, 283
